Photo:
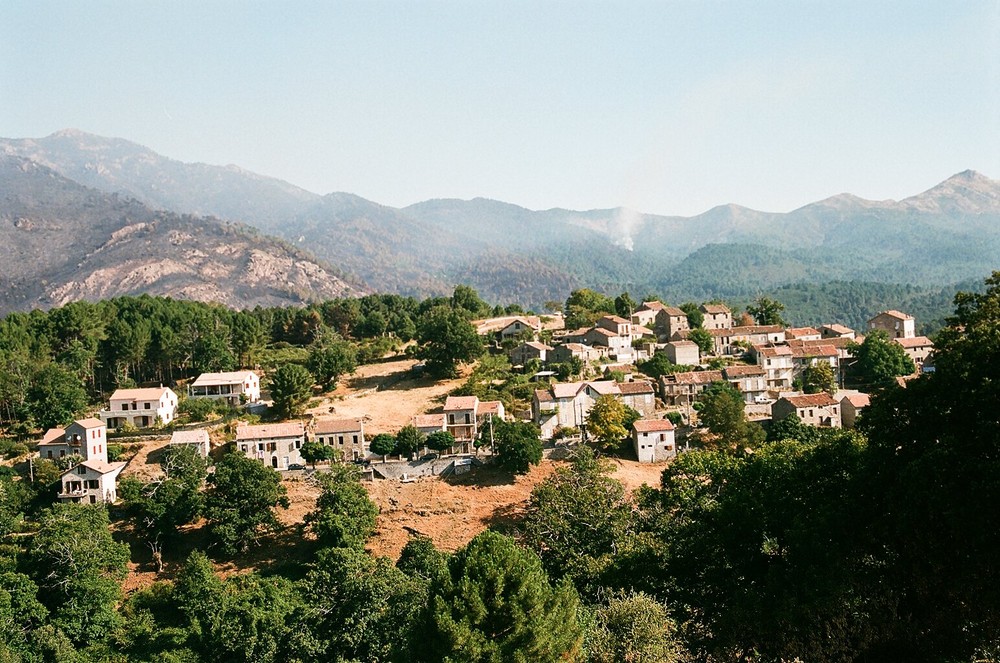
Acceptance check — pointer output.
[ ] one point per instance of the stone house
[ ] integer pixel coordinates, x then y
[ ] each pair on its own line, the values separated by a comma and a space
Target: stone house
236, 387
346, 436
778, 364
277, 445
894, 323
529, 351
851, 406
836, 331
750, 381
86, 438
821, 410
917, 348
736, 340
670, 322
142, 408
653, 440
803, 334
683, 353
197, 438
638, 395
684, 388
717, 316
645, 315
91, 482
564, 353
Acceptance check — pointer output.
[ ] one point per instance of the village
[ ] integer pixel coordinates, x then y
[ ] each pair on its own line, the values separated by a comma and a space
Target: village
366, 419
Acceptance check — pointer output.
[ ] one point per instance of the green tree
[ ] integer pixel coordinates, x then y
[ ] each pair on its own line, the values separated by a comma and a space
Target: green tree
659, 364
379, 601
409, 440
723, 412
383, 444
345, 516
314, 452
79, 568
703, 339
198, 591
241, 501
578, 520
819, 377
633, 627
606, 421
518, 445
55, 396
694, 315
252, 622
440, 441
625, 305
585, 306
880, 360
329, 360
767, 311
497, 605
419, 558
467, 300
446, 339
291, 387
248, 338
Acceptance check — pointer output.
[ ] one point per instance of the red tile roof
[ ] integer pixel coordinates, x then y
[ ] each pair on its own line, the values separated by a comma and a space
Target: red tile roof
915, 342
453, 403
636, 387
328, 426
652, 425
812, 400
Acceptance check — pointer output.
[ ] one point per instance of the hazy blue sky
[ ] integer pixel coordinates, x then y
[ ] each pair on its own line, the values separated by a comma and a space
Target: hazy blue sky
669, 107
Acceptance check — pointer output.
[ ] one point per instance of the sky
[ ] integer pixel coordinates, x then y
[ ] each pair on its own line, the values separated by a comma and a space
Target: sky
664, 107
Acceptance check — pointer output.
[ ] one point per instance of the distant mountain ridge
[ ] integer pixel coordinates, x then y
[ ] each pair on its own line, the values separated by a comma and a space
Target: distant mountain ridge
61, 241
509, 253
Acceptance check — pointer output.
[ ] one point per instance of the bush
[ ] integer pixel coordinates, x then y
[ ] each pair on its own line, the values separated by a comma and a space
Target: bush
115, 451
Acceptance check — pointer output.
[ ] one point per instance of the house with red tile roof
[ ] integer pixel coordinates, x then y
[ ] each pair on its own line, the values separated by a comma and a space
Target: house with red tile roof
821, 410
653, 440
895, 323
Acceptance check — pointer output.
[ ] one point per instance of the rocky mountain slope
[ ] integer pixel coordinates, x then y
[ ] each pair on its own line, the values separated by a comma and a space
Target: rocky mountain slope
948, 233
60, 241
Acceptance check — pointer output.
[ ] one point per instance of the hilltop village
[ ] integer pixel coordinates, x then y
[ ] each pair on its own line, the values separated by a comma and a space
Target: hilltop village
660, 363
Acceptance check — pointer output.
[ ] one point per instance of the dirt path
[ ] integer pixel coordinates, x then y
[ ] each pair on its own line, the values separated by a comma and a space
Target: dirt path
386, 395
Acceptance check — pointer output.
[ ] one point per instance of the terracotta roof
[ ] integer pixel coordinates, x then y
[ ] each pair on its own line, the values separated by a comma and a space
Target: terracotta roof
196, 436
538, 346
682, 344
811, 400
89, 422
212, 379
836, 342
795, 332
747, 330
639, 330
824, 350
490, 407
635, 387
742, 371
652, 425
601, 330
651, 306
773, 350
605, 387
893, 313
429, 421
460, 403
693, 377
262, 431
147, 394
617, 319
53, 436
674, 312
858, 400
838, 329
328, 426
544, 396
576, 347
915, 342
715, 308
98, 466
567, 389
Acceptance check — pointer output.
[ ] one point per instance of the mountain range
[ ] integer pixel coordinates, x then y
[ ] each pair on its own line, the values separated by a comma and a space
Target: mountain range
944, 235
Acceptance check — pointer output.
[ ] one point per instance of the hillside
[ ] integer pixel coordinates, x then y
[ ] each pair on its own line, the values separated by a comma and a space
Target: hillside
946, 234
60, 242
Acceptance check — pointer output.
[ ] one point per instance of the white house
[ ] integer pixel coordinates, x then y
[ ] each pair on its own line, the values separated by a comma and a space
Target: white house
653, 440
277, 445
140, 407
236, 387
197, 438
91, 482
86, 438
346, 436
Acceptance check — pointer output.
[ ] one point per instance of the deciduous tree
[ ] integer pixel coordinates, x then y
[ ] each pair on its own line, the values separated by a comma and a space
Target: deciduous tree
242, 497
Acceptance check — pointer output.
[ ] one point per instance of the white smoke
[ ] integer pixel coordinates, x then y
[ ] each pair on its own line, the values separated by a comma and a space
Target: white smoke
625, 223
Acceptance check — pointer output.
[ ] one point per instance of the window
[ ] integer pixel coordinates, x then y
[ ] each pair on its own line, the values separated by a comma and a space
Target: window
260, 446
93, 483
124, 406
354, 439
298, 444
146, 406
451, 418
468, 418
340, 439
81, 470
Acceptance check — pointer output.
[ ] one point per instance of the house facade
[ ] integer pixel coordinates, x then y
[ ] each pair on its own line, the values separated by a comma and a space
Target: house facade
275, 445
717, 316
778, 364
918, 349
197, 438
670, 322
345, 436
86, 438
235, 387
736, 340
529, 351
653, 440
750, 381
821, 410
684, 388
851, 406
683, 353
141, 408
894, 323
91, 482
638, 395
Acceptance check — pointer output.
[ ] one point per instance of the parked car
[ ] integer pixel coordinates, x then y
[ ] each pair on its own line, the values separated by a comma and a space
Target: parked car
296, 466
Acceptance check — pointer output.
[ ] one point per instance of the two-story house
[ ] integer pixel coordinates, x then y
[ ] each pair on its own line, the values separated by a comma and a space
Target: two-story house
638, 395
645, 315
86, 438
277, 445
778, 364
821, 409
529, 351
346, 436
91, 482
197, 438
717, 316
142, 408
235, 387
465, 414
895, 323
670, 322
653, 440
684, 388
917, 348
683, 353
851, 406
750, 381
